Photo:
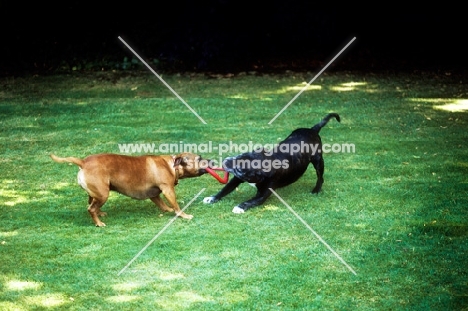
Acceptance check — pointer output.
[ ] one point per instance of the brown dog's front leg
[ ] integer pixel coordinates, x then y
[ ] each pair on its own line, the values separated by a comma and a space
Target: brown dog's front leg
160, 203
170, 195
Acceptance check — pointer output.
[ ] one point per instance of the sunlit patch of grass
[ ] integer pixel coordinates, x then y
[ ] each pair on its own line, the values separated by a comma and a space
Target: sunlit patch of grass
12, 197
47, 300
16, 285
300, 87
348, 86
122, 298
445, 104
459, 105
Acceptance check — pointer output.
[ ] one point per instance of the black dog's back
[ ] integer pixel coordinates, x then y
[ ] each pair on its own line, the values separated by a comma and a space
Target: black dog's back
277, 168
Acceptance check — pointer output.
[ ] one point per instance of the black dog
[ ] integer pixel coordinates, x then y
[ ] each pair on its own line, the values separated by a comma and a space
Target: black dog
276, 168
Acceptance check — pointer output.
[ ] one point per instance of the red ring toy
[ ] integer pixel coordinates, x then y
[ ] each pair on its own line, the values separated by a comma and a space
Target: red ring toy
212, 172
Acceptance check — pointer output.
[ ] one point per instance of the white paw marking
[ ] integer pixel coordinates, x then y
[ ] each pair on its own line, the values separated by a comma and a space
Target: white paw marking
237, 210
208, 200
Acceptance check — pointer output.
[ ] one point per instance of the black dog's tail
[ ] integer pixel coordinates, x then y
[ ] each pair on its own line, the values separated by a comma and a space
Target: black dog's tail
317, 127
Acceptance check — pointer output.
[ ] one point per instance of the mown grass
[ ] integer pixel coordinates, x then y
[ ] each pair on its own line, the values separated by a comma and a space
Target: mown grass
395, 210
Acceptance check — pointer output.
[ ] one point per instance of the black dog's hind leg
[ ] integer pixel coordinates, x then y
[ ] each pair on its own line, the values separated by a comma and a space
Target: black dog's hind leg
319, 166
263, 193
230, 186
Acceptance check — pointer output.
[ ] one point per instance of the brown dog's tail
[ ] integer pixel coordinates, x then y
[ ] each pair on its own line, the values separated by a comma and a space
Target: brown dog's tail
317, 127
73, 160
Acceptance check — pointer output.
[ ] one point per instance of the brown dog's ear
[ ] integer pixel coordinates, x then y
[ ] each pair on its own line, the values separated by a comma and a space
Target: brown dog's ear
177, 161
184, 161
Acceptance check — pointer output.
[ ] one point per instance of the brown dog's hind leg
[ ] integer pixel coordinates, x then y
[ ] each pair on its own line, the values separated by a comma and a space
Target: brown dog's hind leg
161, 204
99, 212
94, 209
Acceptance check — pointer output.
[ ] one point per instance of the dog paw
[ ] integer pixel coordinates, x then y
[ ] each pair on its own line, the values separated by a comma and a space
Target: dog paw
209, 200
183, 215
237, 210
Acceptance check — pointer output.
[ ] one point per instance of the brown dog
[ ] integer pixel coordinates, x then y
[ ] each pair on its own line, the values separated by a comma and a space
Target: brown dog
139, 177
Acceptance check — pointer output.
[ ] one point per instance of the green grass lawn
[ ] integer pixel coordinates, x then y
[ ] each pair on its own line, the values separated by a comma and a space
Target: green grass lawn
394, 210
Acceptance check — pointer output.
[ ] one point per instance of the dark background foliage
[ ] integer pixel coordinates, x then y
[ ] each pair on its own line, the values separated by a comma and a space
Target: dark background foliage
228, 35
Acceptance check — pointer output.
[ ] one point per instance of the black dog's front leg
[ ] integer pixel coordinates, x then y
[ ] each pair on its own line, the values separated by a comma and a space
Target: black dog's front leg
231, 185
263, 193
